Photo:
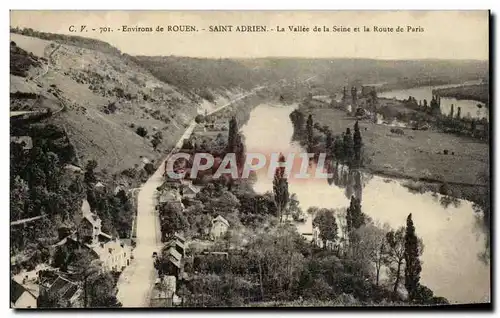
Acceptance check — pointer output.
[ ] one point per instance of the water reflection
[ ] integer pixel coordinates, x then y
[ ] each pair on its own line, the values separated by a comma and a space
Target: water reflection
449, 229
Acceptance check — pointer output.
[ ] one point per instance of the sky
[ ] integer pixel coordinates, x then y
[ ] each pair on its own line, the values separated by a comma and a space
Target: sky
446, 34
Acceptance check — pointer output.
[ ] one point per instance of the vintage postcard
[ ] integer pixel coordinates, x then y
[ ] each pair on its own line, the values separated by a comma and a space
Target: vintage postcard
249, 159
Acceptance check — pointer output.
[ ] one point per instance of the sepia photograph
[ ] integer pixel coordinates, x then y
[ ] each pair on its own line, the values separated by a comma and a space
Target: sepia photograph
215, 159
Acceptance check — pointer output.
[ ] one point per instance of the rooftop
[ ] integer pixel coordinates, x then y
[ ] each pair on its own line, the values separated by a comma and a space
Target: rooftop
220, 219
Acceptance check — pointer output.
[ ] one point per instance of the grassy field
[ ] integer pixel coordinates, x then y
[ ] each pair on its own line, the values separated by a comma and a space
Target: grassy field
416, 154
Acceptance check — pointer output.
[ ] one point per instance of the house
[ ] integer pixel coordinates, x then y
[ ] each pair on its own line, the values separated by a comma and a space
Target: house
180, 237
20, 297
169, 196
173, 266
114, 254
178, 245
74, 169
218, 125
90, 228
199, 129
65, 291
219, 227
164, 291
189, 190
25, 141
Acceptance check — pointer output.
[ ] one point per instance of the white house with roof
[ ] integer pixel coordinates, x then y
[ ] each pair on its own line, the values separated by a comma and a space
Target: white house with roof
113, 253
219, 227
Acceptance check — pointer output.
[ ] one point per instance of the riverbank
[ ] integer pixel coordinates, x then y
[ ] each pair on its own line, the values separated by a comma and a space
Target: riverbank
448, 227
478, 92
415, 154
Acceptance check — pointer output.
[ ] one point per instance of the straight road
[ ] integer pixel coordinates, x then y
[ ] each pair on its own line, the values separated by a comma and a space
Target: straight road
136, 281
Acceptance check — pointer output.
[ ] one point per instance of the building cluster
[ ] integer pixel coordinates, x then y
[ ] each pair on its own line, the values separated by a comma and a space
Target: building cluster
108, 253
173, 191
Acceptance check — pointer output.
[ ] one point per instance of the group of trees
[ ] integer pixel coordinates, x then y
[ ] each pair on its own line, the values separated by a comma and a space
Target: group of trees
346, 149
40, 186
277, 264
398, 251
454, 122
114, 209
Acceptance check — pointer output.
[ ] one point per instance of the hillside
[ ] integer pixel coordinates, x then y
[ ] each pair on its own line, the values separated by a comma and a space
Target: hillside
328, 75
104, 98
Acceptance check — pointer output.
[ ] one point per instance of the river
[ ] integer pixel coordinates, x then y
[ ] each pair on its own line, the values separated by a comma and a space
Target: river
468, 107
452, 238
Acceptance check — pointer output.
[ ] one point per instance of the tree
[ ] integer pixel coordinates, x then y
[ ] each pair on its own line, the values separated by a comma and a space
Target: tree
232, 137
459, 110
276, 258
396, 255
89, 176
348, 147
19, 199
355, 217
412, 261
157, 138
451, 111
357, 145
310, 132
87, 268
372, 247
294, 208
102, 292
329, 143
325, 221
280, 189
338, 149
298, 121
172, 219
199, 119
141, 131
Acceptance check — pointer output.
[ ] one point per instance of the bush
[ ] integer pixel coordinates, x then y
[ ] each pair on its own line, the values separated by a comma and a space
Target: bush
141, 131
199, 119
444, 189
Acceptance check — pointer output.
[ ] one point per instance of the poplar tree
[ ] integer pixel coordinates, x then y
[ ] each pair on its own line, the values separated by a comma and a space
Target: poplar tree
232, 134
357, 145
329, 143
348, 147
412, 261
309, 131
280, 189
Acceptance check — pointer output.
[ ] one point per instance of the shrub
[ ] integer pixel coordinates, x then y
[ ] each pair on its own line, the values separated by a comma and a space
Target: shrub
199, 119
141, 131
444, 189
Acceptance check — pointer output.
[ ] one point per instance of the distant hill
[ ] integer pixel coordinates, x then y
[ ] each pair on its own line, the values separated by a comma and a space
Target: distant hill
329, 74
106, 94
